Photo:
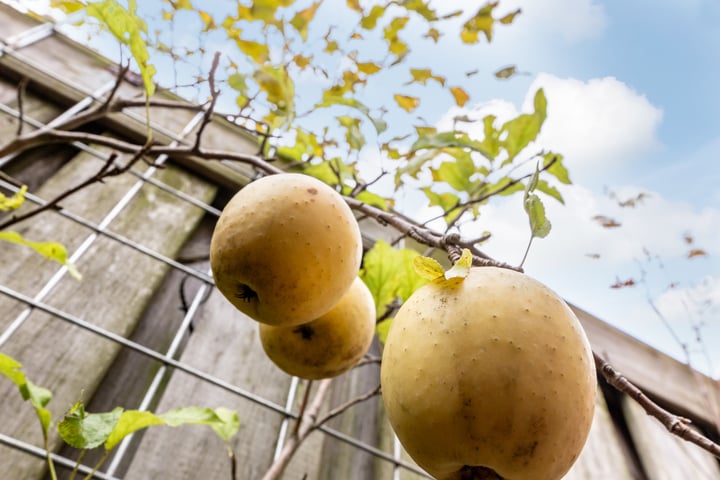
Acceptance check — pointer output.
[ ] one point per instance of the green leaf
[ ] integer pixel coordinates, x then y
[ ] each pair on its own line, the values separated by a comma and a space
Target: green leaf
546, 188
131, 421
127, 28
389, 274
279, 89
190, 415
353, 134
330, 100
524, 128
11, 368
14, 202
39, 397
456, 173
228, 423
502, 188
445, 200
557, 169
447, 140
461, 269
51, 250
428, 268
80, 429
539, 224
374, 199
333, 171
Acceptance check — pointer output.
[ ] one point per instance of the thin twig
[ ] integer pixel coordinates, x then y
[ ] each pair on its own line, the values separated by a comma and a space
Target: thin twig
341, 408
21, 89
674, 424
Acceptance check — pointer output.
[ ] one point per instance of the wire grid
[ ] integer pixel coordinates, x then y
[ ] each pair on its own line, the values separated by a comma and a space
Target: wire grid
168, 358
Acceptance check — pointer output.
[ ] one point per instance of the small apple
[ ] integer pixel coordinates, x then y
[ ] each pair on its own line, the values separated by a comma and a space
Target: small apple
329, 345
285, 249
489, 377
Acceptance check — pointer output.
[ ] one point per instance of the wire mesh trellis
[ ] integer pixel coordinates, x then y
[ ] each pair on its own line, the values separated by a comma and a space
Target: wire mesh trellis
169, 357
26, 44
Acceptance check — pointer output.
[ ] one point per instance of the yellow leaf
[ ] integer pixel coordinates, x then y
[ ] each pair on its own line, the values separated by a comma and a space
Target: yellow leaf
422, 75
301, 61
167, 15
434, 34
255, 50
355, 5
461, 269
461, 97
407, 103
11, 203
508, 19
482, 22
51, 250
182, 5
368, 68
506, 72
208, 21
67, 6
369, 21
356, 36
428, 268
302, 19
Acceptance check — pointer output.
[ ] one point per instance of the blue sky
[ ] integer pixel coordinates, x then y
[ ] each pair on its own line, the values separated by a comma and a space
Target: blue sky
633, 106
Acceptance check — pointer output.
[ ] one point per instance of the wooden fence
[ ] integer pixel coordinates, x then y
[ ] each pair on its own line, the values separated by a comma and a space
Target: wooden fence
145, 328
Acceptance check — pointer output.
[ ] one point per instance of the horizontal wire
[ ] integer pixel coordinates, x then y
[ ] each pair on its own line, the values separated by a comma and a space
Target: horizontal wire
30, 449
114, 236
197, 373
165, 359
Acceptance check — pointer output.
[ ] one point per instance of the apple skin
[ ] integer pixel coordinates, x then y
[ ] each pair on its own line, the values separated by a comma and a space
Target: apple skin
492, 376
285, 249
329, 345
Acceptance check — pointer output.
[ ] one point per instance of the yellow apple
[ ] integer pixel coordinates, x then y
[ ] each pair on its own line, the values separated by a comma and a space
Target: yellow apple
489, 377
285, 249
329, 345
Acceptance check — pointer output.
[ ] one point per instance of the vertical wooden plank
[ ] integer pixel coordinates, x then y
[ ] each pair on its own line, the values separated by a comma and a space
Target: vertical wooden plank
117, 285
604, 455
665, 456
225, 343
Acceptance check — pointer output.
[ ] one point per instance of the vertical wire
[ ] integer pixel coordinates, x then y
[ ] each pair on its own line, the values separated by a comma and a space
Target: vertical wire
152, 391
282, 433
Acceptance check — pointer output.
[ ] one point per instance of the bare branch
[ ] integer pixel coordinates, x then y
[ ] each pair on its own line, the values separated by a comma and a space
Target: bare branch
674, 424
22, 87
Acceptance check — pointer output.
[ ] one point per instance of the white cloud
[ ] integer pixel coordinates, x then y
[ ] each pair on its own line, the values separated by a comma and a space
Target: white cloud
597, 125
573, 20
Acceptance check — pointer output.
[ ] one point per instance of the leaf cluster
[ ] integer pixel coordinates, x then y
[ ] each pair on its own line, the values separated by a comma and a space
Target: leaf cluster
83, 430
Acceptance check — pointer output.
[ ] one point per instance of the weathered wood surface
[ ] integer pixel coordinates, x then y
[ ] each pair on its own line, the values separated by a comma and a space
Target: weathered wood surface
117, 285
665, 456
13, 22
686, 391
605, 454
225, 343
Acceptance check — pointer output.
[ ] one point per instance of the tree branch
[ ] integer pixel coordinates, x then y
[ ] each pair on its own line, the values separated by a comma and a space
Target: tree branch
674, 424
